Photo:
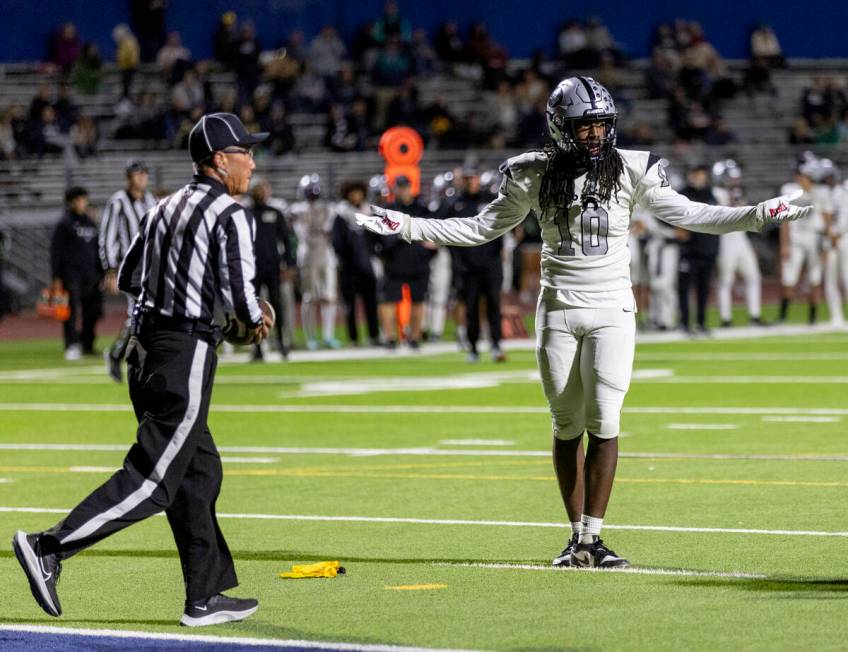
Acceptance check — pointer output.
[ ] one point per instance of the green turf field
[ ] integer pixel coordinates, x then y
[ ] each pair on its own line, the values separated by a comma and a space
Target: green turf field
429, 480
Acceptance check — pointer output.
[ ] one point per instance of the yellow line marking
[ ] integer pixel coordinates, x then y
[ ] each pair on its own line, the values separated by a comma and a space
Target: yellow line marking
416, 587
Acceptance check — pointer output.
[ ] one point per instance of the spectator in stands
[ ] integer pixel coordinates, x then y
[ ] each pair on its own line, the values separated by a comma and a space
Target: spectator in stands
326, 53
127, 56
423, 55
757, 79
391, 25
8, 141
66, 110
449, 45
660, 75
281, 72
353, 247
764, 45
296, 46
533, 128
404, 263
441, 125
173, 58
600, 43
800, 133
391, 68
719, 133
65, 47
638, 135
84, 137
348, 131
148, 21
573, 45
248, 50
363, 46
75, 264
403, 109
187, 94
46, 135
225, 40
43, 97
281, 138
141, 120
87, 71
483, 50
345, 89
504, 110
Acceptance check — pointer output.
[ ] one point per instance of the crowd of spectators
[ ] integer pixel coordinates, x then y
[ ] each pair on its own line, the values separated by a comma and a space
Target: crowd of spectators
824, 114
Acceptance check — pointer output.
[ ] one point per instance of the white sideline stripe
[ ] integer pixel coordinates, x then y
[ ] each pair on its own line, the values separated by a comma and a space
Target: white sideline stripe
476, 442
6, 480
741, 356
446, 521
195, 395
428, 452
250, 460
680, 572
702, 426
802, 419
747, 380
215, 640
421, 409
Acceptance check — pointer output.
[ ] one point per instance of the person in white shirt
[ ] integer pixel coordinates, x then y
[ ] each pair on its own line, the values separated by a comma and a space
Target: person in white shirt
836, 264
584, 191
735, 253
801, 243
312, 219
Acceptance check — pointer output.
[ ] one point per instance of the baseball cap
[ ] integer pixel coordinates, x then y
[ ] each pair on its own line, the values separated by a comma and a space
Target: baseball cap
135, 165
470, 170
217, 131
402, 181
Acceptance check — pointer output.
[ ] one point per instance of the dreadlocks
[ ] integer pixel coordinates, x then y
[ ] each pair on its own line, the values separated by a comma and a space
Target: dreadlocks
557, 190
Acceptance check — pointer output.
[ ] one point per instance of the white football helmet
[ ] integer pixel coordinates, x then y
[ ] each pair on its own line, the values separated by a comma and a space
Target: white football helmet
579, 100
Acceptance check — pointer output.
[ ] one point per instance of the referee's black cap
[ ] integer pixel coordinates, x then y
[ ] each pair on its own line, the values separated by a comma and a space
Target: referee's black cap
135, 165
217, 131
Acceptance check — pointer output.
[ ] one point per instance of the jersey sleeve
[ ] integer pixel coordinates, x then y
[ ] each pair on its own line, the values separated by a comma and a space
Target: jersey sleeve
655, 195
502, 214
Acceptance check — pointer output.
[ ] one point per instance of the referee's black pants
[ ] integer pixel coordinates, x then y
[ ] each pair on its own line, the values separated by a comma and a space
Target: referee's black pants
173, 466
479, 283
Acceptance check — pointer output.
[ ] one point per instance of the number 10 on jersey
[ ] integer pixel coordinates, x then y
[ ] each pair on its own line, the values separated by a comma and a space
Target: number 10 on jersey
593, 223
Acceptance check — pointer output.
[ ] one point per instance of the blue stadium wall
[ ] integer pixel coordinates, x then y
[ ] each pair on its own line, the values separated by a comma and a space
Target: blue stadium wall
813, 28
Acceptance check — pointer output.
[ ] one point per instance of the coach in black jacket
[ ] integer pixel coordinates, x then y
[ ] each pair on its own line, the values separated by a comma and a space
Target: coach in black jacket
75, 262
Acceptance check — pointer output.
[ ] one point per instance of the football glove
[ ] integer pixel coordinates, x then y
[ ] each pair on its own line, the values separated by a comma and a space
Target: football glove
384, 221
780, 209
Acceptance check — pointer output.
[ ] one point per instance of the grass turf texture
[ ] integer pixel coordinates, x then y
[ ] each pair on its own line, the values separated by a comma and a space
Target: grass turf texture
132, 580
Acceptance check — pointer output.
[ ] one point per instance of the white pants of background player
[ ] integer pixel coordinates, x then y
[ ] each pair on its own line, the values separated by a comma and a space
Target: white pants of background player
585, 358
836, 280
803, 250
736, 256
438, 292
319, 283
662, 258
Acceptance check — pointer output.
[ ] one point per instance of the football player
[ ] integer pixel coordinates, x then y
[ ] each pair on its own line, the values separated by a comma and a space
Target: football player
735, 253
801, 244
584, 191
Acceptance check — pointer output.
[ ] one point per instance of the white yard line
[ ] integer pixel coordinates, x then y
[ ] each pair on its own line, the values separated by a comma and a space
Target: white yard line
430, 452
418, 409
680, 572
801, 419
739, 356
746, 380
227, 641
469, 522
476, 442
702, 426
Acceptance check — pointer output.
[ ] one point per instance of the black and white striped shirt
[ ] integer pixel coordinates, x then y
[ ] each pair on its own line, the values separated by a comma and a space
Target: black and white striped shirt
119, 226
193, 255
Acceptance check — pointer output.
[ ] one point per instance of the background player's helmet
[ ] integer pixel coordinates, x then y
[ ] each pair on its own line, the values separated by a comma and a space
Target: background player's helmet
378, 189
576, 100
309, 186
829, 171
727, 173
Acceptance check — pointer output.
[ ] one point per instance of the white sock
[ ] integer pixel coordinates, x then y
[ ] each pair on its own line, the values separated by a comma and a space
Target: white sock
591, 528
576, 526
328, 321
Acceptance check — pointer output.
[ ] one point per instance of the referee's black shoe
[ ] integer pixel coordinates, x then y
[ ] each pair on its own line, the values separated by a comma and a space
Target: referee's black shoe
218, 609
41, 570
113, 366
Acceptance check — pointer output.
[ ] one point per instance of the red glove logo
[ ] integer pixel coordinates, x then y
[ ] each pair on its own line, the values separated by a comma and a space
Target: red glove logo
781, 207
390, 223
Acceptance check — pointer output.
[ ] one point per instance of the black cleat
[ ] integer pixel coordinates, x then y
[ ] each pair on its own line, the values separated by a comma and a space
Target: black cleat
596, 555
218, 609
113, 367
41, 570
563, 559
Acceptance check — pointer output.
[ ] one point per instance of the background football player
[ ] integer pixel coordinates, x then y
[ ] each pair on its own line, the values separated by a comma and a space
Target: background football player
584, 190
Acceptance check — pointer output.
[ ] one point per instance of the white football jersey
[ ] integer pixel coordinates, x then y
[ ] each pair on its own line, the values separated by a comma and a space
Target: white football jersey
819, 198
839, 205
313, 224
585, 253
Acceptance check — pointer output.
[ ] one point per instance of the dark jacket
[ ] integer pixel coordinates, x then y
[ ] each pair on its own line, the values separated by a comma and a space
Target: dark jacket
352, 243
403, 259
485, 256
275, 240
74, 252
699, 245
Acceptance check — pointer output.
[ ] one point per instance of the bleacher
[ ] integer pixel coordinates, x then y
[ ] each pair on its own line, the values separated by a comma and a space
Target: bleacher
31, 190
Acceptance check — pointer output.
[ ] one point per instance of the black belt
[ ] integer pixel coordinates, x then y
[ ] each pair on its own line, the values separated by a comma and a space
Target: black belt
151, 322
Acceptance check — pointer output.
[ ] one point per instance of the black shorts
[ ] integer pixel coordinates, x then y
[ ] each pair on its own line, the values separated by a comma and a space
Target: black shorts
392, 288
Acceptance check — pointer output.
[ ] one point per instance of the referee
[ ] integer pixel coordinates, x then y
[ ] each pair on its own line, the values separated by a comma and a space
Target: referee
118, 228
194, 249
